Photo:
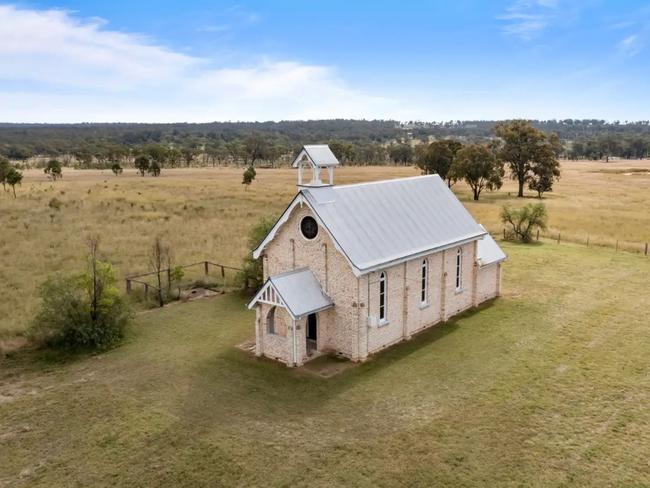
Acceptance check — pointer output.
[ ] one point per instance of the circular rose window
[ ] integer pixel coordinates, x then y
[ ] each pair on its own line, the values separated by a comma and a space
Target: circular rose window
309, 227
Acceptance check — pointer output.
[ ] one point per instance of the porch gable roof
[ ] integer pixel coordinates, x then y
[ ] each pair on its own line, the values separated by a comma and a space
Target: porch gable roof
298, 291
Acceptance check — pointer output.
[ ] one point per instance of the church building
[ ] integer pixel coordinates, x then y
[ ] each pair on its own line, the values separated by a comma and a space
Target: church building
353, 269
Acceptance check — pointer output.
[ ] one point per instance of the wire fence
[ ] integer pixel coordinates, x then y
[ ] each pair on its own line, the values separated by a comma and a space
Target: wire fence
204, 274
588, 240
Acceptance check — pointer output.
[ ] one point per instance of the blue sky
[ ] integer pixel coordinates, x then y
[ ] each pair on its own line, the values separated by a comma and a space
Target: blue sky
148, 61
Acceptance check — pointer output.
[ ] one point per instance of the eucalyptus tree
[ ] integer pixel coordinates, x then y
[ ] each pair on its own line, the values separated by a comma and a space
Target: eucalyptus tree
54, 169
479, 167
14, 177
527, 151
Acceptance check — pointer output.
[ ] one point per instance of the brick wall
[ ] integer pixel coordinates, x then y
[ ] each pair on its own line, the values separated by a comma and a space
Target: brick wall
344, 328
338, 326
488, 283
278, 345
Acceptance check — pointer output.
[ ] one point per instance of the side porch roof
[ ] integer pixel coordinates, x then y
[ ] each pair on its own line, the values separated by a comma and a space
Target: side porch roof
298, 291
489, 251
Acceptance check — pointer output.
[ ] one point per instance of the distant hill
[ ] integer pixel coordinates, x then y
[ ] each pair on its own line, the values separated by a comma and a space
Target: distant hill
22, 141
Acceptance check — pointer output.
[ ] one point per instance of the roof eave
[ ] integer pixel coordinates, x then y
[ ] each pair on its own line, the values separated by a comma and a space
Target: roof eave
416, 255
278, 223
316, 310
310, 159
495, 261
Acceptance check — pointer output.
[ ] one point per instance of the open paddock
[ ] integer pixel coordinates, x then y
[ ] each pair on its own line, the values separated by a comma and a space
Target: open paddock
206, 213
547, 386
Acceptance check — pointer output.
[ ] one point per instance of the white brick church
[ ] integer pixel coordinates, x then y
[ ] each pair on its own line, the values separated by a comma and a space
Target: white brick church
352, 269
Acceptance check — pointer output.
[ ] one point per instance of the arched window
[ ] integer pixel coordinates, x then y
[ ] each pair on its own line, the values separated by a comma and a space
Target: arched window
382, 297
424, 286
270, 321
459, 269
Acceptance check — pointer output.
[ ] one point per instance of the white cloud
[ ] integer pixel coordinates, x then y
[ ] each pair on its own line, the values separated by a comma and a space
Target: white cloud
52, 47
243, 15
68, 70
526, 19
630, 45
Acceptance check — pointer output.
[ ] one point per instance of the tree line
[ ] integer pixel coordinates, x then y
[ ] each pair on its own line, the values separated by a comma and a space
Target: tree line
603, 147
272, 143
530, 155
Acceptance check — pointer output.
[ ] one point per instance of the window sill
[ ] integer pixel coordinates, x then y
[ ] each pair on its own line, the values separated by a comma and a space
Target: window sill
424, 305
383, 323
458, 291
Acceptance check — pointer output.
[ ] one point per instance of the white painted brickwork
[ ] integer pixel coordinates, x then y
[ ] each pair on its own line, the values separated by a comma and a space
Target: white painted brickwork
346, 328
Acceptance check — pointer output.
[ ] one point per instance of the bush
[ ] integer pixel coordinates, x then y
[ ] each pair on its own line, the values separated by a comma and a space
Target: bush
252, 272
249, 176
141, 163
524, 220
54, 169
78, 312
154, 169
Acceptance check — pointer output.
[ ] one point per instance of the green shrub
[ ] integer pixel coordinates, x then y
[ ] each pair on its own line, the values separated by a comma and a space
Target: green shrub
54, 169
154, 168
78, 312
523, 221
251, 273
249, 176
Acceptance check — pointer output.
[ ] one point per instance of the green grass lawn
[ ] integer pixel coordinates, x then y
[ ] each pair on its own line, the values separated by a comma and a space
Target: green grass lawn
547, 386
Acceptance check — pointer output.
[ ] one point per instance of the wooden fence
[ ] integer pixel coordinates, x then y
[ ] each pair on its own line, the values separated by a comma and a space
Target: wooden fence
588, 240
167, 273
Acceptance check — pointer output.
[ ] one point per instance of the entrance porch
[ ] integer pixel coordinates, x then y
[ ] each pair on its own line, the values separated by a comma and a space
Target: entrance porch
287, 309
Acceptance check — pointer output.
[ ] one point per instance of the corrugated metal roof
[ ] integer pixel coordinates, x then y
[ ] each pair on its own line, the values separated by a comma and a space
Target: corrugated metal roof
319, 154
300, 291
380, 223
489, 251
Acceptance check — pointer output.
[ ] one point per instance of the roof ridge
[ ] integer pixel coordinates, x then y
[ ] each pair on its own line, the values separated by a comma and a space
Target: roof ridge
389, 180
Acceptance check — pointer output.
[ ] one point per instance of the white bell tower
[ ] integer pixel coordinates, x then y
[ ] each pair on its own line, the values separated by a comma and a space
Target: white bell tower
315, 158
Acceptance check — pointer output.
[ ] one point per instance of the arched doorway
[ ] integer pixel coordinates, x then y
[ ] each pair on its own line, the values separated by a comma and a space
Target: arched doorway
312, 332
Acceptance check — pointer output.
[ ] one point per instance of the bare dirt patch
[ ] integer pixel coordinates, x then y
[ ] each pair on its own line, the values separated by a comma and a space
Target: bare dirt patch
327, 366
9, 345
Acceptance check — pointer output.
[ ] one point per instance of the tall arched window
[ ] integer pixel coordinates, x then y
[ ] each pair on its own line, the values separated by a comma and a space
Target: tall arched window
424, 286
459, 269
270, 321
382, 297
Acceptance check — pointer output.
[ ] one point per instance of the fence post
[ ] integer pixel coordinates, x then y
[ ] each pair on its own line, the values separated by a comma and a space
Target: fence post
646, 249
616, 245
128, 282
504, 233
558, 237
205, 267
146, 291
223, 276
538, 234
169, 280
587, 241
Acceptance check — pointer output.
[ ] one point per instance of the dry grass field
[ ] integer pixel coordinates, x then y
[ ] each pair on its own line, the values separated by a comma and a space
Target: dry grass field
547, 386
206, 214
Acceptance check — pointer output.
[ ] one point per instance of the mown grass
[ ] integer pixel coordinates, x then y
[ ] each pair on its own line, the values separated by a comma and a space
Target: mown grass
206, 214
546, 386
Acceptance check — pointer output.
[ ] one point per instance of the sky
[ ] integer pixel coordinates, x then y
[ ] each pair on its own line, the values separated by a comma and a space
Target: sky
202, 61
